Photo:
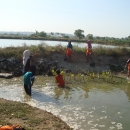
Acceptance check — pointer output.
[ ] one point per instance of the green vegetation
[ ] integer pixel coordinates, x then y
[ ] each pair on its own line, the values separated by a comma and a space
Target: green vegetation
44, 50
79, 33
28, 117
77, 37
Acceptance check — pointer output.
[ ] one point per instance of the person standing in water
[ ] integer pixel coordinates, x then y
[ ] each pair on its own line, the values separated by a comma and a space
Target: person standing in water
28, 79
59, 79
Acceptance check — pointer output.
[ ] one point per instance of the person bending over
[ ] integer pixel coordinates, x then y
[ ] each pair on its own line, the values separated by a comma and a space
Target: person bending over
28, 79
59, 79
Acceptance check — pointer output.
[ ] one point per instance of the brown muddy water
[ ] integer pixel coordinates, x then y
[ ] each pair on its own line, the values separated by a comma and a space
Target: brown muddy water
86, 104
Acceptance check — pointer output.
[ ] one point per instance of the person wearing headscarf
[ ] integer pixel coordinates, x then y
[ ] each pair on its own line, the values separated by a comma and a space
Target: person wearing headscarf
26, 61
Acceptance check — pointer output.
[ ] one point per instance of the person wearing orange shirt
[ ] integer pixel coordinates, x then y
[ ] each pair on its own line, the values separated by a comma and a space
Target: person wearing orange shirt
88, 51
69, 51
59, 79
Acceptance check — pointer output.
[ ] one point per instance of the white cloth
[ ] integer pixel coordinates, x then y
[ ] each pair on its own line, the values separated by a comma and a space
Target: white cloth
26, 56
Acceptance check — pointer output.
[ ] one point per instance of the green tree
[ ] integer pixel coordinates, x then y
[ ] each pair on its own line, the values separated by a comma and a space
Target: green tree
90, 36
37, 33
78, 33
42, 34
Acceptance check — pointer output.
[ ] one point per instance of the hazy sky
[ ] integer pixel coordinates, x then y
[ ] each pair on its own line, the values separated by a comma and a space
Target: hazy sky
98, 17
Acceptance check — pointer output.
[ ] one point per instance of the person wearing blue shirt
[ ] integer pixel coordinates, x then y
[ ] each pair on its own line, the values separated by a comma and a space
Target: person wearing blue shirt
28, 80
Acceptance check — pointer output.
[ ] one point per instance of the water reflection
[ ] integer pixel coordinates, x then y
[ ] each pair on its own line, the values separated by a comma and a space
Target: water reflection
21, 42
62, 93
93, 104
127, 91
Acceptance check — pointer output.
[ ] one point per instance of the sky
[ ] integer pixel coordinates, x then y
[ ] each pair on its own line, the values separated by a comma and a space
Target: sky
104, 18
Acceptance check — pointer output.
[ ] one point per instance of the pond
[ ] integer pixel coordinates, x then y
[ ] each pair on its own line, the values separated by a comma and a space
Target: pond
98, 103
17, 42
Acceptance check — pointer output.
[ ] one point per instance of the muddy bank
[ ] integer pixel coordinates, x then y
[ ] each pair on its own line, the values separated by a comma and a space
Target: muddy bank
29, 117
56, 60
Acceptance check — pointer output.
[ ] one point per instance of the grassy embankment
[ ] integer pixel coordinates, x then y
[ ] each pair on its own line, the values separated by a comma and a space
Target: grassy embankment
44, 50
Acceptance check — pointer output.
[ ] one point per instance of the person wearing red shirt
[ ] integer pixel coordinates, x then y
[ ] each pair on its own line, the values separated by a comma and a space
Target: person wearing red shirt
59, 79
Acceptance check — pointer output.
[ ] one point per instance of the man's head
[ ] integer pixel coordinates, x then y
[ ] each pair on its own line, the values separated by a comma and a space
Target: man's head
58, 71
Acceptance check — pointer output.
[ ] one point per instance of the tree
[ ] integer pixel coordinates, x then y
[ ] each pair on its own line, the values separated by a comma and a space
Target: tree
90, 36
78, 33
37, 33
42, 34
52, 33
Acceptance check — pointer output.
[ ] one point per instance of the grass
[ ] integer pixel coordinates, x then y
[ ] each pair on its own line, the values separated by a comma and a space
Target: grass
44, 50
28, 117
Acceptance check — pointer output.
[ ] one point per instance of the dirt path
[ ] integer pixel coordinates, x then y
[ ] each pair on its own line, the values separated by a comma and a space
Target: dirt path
78, 63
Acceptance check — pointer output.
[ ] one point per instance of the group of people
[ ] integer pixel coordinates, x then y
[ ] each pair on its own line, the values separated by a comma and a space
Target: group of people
69, 50
29, 68
29, 71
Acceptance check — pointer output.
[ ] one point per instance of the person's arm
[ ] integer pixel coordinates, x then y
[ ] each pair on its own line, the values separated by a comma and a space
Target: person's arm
126, 64
55, 80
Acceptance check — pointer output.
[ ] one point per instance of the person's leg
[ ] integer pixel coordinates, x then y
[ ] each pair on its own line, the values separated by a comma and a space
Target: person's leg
69, 58
87, 58
128, 73
26, 88
29, 90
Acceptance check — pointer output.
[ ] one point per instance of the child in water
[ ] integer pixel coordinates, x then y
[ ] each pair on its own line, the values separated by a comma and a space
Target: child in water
128, 67
28, 79
59, 79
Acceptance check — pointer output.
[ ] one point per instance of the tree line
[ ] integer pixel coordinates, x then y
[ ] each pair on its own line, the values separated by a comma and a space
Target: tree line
78, 36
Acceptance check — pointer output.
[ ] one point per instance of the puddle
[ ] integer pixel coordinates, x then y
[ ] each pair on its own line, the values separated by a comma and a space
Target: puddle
91, 105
